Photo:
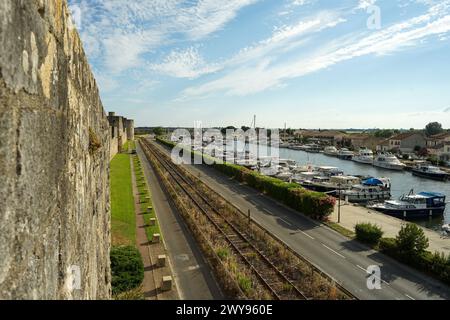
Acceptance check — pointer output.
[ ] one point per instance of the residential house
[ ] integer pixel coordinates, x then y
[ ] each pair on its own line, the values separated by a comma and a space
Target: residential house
384, 146
439, 146
364, 140
438, 139
407, 142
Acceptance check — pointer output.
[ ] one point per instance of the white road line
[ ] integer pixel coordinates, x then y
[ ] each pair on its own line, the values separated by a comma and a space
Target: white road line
409, 297
307, 235
192, 268
361, 268
335, 252
287, 222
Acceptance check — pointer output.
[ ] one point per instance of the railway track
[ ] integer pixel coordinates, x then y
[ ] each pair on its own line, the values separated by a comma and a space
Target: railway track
273, 279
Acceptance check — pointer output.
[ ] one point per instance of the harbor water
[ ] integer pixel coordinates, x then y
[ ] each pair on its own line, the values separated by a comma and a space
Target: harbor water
402, 181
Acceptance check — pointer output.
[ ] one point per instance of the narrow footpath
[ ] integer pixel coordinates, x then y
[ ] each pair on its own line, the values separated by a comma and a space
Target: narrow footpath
152, 273
192, 274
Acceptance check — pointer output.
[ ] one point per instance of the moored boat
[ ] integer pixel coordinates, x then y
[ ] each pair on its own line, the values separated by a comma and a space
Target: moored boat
373, 189
388, 161
331, 151
414, 206
345, 154
430, 172
446, 228
364, 156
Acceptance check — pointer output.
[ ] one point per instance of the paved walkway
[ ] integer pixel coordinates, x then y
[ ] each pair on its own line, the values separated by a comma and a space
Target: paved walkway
351, 215
192, 273
152, 273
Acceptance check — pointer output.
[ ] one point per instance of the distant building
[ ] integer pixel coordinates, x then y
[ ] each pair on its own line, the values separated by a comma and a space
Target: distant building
439, 146
438, 139
331, 137
122, 130
384, 146
408, 141
364, 140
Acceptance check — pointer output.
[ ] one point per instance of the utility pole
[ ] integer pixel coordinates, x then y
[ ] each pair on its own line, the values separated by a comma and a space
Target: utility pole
339, 204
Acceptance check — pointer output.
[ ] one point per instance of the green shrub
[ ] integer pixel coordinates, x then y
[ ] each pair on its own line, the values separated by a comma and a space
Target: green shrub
368, 233
411, 241
127, 269
388, 246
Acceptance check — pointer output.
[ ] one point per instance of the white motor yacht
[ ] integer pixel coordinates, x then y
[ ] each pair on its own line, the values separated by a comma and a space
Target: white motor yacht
388, 161
345, 154
364, 156
331, 151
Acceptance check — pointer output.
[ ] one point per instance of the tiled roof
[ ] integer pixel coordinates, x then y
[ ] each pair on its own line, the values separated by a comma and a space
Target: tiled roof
404, 135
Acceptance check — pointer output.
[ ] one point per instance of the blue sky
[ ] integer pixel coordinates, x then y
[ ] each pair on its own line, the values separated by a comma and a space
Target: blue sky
307, 63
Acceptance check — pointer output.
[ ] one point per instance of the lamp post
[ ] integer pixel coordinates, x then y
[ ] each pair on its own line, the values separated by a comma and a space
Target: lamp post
339, 203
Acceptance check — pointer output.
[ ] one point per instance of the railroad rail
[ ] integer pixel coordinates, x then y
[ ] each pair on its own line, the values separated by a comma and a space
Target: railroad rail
273, 279
315, 267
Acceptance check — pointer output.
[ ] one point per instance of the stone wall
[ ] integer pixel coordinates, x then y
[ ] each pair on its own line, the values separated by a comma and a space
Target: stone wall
54, 159
121, 130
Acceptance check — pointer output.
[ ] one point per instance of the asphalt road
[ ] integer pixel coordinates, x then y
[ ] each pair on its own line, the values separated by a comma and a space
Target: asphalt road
192, 274
344, 260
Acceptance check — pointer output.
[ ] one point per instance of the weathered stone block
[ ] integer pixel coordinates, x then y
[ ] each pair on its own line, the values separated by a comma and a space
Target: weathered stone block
167, 283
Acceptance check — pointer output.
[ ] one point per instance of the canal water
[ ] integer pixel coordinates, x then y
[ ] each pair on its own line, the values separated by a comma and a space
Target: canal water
402, 182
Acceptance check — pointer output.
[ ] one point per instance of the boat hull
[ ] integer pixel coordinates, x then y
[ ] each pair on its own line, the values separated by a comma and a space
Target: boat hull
319, 188
412, 214
363, 161
345, 157
436, 176
365, 198
389, 166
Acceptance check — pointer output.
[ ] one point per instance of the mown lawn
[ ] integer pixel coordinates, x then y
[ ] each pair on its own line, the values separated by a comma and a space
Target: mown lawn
145, 200
123, 219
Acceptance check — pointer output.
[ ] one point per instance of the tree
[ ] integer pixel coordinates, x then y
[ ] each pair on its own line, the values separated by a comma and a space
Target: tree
158, 131
433, 128
224, 130
385, 133
411, 240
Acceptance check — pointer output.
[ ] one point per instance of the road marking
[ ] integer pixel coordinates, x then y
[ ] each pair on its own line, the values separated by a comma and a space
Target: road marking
361, 268
287, 222
409, 297
192, 268
335, 252
307, 235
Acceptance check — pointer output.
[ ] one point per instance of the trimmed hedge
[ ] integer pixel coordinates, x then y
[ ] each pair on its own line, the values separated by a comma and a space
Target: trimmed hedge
368, 233
127, 269
313, 204
437, 264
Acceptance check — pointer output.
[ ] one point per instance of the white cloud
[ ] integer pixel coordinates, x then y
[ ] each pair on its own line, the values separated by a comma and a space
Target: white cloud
185, 64
365, 4
248, 80
119, 32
